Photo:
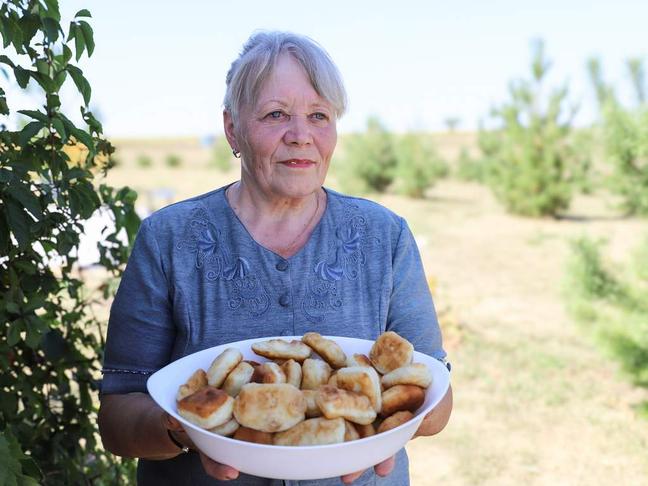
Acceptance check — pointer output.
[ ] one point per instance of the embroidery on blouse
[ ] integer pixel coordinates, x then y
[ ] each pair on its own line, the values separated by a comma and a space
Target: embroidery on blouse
348, 258
212, 253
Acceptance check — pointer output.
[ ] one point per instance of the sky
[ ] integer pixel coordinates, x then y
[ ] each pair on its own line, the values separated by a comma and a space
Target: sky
159, 66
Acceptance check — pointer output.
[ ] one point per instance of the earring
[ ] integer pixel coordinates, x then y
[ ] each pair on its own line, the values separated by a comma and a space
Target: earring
236, 153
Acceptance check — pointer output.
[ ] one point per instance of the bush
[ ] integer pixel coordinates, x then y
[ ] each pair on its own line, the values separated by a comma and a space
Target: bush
173, 161
144, 161
469, 168
418, 165
531, 165
625, 138
51, 342
611, 302
370, 159
222, 156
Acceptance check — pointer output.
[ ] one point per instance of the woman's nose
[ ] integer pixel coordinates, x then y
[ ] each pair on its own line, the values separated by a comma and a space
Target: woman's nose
298, 132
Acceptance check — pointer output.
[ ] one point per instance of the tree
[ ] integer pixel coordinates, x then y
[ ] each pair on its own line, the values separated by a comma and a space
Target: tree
51, 342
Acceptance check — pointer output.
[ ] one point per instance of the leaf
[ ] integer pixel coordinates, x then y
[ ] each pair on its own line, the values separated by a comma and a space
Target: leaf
27, 198
30, 130
19, 222
5, 60
79, 42
83, 13
13, 336
88, 36
85, 138
81, 82
53, 9
60, 129
22, 76
51, 28
35, 114
54, 345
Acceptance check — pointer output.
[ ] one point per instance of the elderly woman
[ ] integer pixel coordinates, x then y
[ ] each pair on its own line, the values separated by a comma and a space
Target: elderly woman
272, 254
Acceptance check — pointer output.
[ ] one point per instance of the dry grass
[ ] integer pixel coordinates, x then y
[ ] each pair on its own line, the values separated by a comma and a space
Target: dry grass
535, 402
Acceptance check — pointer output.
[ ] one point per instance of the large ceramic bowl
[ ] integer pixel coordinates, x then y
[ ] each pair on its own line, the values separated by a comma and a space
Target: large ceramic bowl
292, 462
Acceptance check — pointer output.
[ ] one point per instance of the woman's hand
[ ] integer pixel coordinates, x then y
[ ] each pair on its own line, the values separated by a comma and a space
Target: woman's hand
383, 469
213, 468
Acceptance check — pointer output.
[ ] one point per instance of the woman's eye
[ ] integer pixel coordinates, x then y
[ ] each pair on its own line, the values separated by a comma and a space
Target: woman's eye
275, 115
320, 116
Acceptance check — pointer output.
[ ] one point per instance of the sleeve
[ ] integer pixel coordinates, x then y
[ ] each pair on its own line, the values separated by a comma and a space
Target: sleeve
411, 311
140, 329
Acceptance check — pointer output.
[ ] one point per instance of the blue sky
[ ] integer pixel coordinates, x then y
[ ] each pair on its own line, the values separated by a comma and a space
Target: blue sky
159, 66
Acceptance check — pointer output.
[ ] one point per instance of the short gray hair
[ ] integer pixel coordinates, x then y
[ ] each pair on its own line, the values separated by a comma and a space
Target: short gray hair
259, 56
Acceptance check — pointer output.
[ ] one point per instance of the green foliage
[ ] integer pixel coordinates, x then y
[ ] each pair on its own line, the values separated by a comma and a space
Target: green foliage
172, 160
469, 168
418, 165
531, 165
625, 137
370, 159
612, 303
144, 161
51, 342
221, 155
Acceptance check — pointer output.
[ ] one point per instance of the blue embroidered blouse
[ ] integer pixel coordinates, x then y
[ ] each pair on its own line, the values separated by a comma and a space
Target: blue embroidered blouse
196, 278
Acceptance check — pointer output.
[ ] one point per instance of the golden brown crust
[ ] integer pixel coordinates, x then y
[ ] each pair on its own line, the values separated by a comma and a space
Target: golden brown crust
401, 397
222, 366
226, 429
329, 350
281, 349
365, 430
250, 435
350, 432
363, 380
293, 372
239, 376
334, 403
268, 373
315, 431
204, 402
195, 382
414, 374
390, 351
359, 360
312, 410
269, 407
395, 420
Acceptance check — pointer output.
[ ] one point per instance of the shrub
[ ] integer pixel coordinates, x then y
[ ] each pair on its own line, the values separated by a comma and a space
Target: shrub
530, 162
370, 159
221, 155
625, 138
173, 161
469, 168
418, 165
51, 342
144, 161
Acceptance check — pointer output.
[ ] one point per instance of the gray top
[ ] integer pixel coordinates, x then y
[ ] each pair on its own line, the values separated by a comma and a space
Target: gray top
196, 279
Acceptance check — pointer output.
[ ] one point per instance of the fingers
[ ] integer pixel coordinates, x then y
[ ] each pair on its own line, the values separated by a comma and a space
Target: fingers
217, 470
171, 423
386, 467
349, 478
383, 469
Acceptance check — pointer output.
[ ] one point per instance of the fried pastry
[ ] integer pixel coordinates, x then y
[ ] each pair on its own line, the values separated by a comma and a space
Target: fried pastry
414, 374
239, 376
268, 373
195, 382
293, 372
226, 429
390, 351
401, 397
312, 410
281, 349
222, 366
334, 403
350, 432
395, 420
315, 431
250, 435
209, 407
363, 380
315, 372
269, 407
359, 360
329, 350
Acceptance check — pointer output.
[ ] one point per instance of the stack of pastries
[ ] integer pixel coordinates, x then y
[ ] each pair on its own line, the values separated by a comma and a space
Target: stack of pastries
307, 393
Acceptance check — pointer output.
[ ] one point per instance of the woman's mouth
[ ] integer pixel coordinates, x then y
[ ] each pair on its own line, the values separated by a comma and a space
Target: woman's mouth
298, 163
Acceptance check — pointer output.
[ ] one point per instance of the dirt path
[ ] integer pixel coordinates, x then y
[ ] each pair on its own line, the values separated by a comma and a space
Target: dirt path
535, 402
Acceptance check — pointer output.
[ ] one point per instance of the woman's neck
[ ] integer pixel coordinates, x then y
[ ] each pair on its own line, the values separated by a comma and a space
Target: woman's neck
282, 225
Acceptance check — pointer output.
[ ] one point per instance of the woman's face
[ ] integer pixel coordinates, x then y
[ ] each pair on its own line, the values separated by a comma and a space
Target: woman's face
287, 137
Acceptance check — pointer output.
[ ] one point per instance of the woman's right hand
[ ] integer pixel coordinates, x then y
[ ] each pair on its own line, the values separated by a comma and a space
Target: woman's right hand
213, 468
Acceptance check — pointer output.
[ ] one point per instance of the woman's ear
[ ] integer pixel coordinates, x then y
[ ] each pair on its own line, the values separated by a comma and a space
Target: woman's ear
230, 132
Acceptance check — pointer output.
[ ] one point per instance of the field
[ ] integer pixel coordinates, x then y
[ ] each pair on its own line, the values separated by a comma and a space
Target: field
536, 402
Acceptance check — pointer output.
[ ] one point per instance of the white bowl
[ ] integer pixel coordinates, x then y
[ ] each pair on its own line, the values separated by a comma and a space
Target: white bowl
292, 462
